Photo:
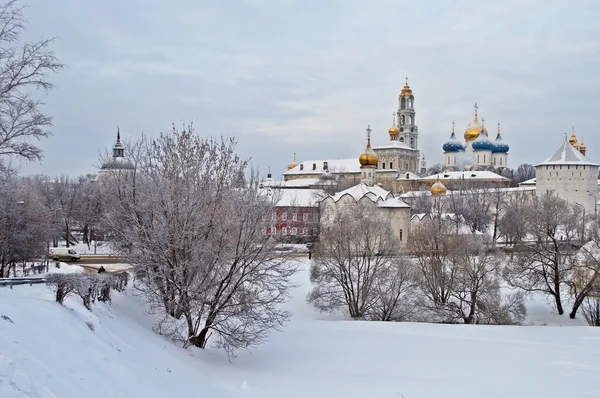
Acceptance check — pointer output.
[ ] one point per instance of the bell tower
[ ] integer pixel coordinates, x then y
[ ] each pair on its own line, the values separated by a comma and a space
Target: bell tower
409, 131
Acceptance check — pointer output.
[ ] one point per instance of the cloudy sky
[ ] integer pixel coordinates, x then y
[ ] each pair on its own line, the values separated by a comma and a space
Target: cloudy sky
308, 76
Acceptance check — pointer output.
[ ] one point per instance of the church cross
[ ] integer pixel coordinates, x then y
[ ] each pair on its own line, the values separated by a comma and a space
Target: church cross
406, 80
476, 109
369, 132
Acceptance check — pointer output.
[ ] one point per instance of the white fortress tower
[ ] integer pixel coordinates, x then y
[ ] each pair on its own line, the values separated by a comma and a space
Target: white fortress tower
569, 174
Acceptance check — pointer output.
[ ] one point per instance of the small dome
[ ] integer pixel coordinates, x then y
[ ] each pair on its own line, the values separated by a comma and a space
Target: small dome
394, 131
474, 129
293, 164
582, 146
483, 143
368, 157
453, 145
499, 145
573, 139
406, 91
438, 188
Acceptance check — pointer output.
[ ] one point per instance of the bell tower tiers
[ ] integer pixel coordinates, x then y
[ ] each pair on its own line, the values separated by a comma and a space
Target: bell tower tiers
409, 131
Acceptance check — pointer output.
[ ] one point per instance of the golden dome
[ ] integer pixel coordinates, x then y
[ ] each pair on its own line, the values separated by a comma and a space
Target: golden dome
406, 91
573, 139
293, 164
474, 129
368, 157
394, 131
582, 147
438, 188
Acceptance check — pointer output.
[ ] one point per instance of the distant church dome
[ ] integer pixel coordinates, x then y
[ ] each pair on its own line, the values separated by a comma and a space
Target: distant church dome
483, 143
118, 160
394, 131
499, 145
368, 157
453, 145
293, 164
474, 129
438, 188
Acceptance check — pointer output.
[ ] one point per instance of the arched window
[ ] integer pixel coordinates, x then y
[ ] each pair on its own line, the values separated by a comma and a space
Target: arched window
403, 103
410, 120
402, 120
400, 235
402, 139
391, 165
410, 104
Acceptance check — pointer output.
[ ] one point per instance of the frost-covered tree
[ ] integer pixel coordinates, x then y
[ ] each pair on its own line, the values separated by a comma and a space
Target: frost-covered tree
24, 226
357, 267
24, 68
460, 276
197, 240
544, 262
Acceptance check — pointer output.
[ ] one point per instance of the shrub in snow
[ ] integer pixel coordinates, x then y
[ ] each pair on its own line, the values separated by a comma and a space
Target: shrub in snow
88, 287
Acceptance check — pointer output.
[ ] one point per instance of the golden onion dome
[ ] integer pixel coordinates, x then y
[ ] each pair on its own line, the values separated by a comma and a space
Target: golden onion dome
573, 139
368, 157
394, 131
438, 188
293, 164
474, 129
406, 91
582, 147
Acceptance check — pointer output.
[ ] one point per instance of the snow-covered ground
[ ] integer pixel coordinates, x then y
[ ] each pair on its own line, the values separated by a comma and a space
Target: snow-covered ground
47, 350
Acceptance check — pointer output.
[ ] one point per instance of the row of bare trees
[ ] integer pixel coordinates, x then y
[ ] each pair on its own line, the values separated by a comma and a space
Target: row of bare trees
474, 258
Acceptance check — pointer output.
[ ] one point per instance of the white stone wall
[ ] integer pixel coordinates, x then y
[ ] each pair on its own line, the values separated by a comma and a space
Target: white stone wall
500, 159
483, 158
574, 183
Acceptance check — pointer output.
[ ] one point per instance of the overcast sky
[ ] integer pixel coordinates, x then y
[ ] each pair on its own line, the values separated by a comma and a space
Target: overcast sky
309, 75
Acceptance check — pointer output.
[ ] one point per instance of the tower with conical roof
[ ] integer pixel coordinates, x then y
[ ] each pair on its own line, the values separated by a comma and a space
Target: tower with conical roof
409, 131
118, 161
368, 162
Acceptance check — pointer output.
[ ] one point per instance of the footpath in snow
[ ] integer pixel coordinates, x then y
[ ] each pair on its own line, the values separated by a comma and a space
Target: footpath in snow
48, 350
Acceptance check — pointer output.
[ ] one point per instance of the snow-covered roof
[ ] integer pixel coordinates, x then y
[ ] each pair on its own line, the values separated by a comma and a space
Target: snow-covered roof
528, 182
359, 191
393, 144
393, 203
407, 175
295, 197
566, 154
465, 175
413, 194
317, 167
295, 183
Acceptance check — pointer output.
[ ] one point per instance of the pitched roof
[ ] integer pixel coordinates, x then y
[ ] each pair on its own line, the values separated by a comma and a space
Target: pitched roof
316, 167
567, 154
394, 144
465, 175
359, 191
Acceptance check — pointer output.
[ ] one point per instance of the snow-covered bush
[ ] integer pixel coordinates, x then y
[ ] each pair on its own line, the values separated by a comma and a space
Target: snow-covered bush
87, 286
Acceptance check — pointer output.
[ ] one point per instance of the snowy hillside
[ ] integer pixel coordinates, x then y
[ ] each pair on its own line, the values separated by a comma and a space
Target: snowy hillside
47, 350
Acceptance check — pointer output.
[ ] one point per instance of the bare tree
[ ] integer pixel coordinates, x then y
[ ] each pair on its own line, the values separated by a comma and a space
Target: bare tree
88, 209
460, 276
197, 240
544, 264
24, 227
523, 173
24, 67
357, 267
